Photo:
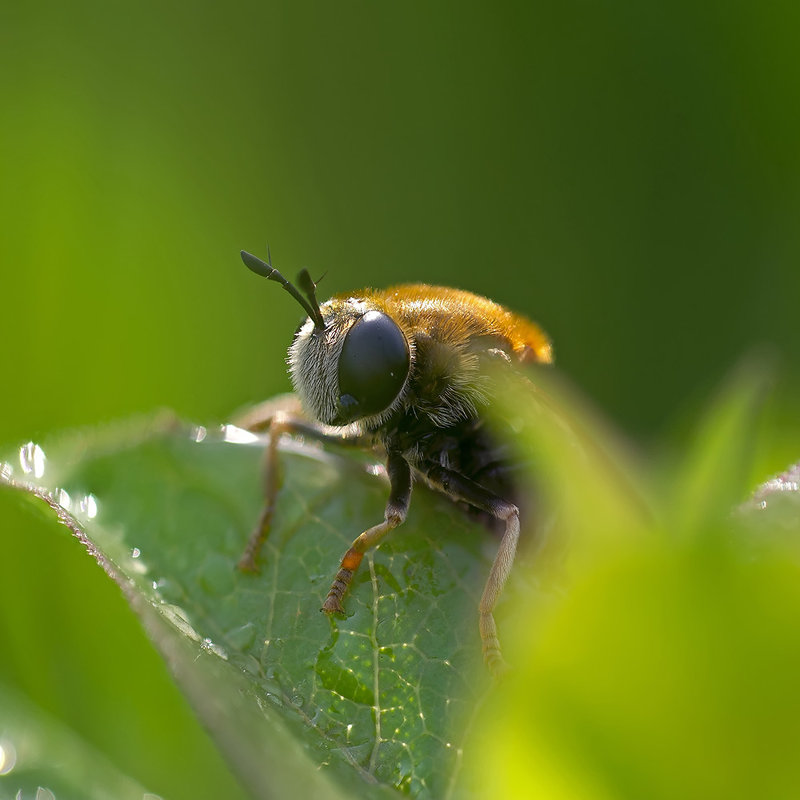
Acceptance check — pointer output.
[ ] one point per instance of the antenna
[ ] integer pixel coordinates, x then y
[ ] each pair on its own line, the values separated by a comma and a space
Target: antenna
266, 270
309, 289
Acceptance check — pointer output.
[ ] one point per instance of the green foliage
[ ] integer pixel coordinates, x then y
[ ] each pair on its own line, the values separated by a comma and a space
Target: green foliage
624, 173
651, 636
41, 752
669, 668
380, 699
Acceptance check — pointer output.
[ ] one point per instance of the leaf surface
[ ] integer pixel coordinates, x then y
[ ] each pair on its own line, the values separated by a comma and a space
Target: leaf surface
382, 699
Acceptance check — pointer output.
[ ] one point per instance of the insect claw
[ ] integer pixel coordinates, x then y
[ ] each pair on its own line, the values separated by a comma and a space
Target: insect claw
332, 605
497, 665
247, 563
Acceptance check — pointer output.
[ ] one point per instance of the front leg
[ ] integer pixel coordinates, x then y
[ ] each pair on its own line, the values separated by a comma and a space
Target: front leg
396, 510
277, 426
282, 415
462, 488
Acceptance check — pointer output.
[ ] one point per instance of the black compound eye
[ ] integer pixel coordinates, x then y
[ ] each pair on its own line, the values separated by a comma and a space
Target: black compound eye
373, 366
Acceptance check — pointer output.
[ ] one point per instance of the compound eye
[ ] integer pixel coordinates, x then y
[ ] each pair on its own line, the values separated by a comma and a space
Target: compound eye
373, 366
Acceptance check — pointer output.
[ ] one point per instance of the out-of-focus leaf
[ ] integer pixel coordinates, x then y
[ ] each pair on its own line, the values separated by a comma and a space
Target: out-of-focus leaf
770, 518
781, 492
713, 478
669, 666
588, 477
671, 672
379, 700
40, 759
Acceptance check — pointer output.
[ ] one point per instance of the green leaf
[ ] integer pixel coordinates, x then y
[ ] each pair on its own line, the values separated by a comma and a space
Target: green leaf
668, 671
596, 490
713, 478
770, 519
668, 668
40, 758
298, 703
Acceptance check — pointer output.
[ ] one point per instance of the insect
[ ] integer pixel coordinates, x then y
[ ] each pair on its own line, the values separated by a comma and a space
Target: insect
405, 369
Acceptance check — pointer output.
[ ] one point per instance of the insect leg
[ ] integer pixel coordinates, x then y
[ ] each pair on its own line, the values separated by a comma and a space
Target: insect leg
459, 487
287, 409
396, 509
259, 418
278, 425
278, 416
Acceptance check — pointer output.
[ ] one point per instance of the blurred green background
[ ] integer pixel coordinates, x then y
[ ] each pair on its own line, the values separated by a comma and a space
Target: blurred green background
626, 174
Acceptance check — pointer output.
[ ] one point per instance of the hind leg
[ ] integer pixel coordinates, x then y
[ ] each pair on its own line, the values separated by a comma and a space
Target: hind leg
459, 487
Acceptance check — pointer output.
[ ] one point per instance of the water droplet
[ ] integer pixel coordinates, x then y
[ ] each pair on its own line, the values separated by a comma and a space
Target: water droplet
170, 590
44, 794
8, 756
250, 665
62, 498
88, 506
138, 566
198, 433
211, 647
230, 433
32, 459
177, 617
6, 471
